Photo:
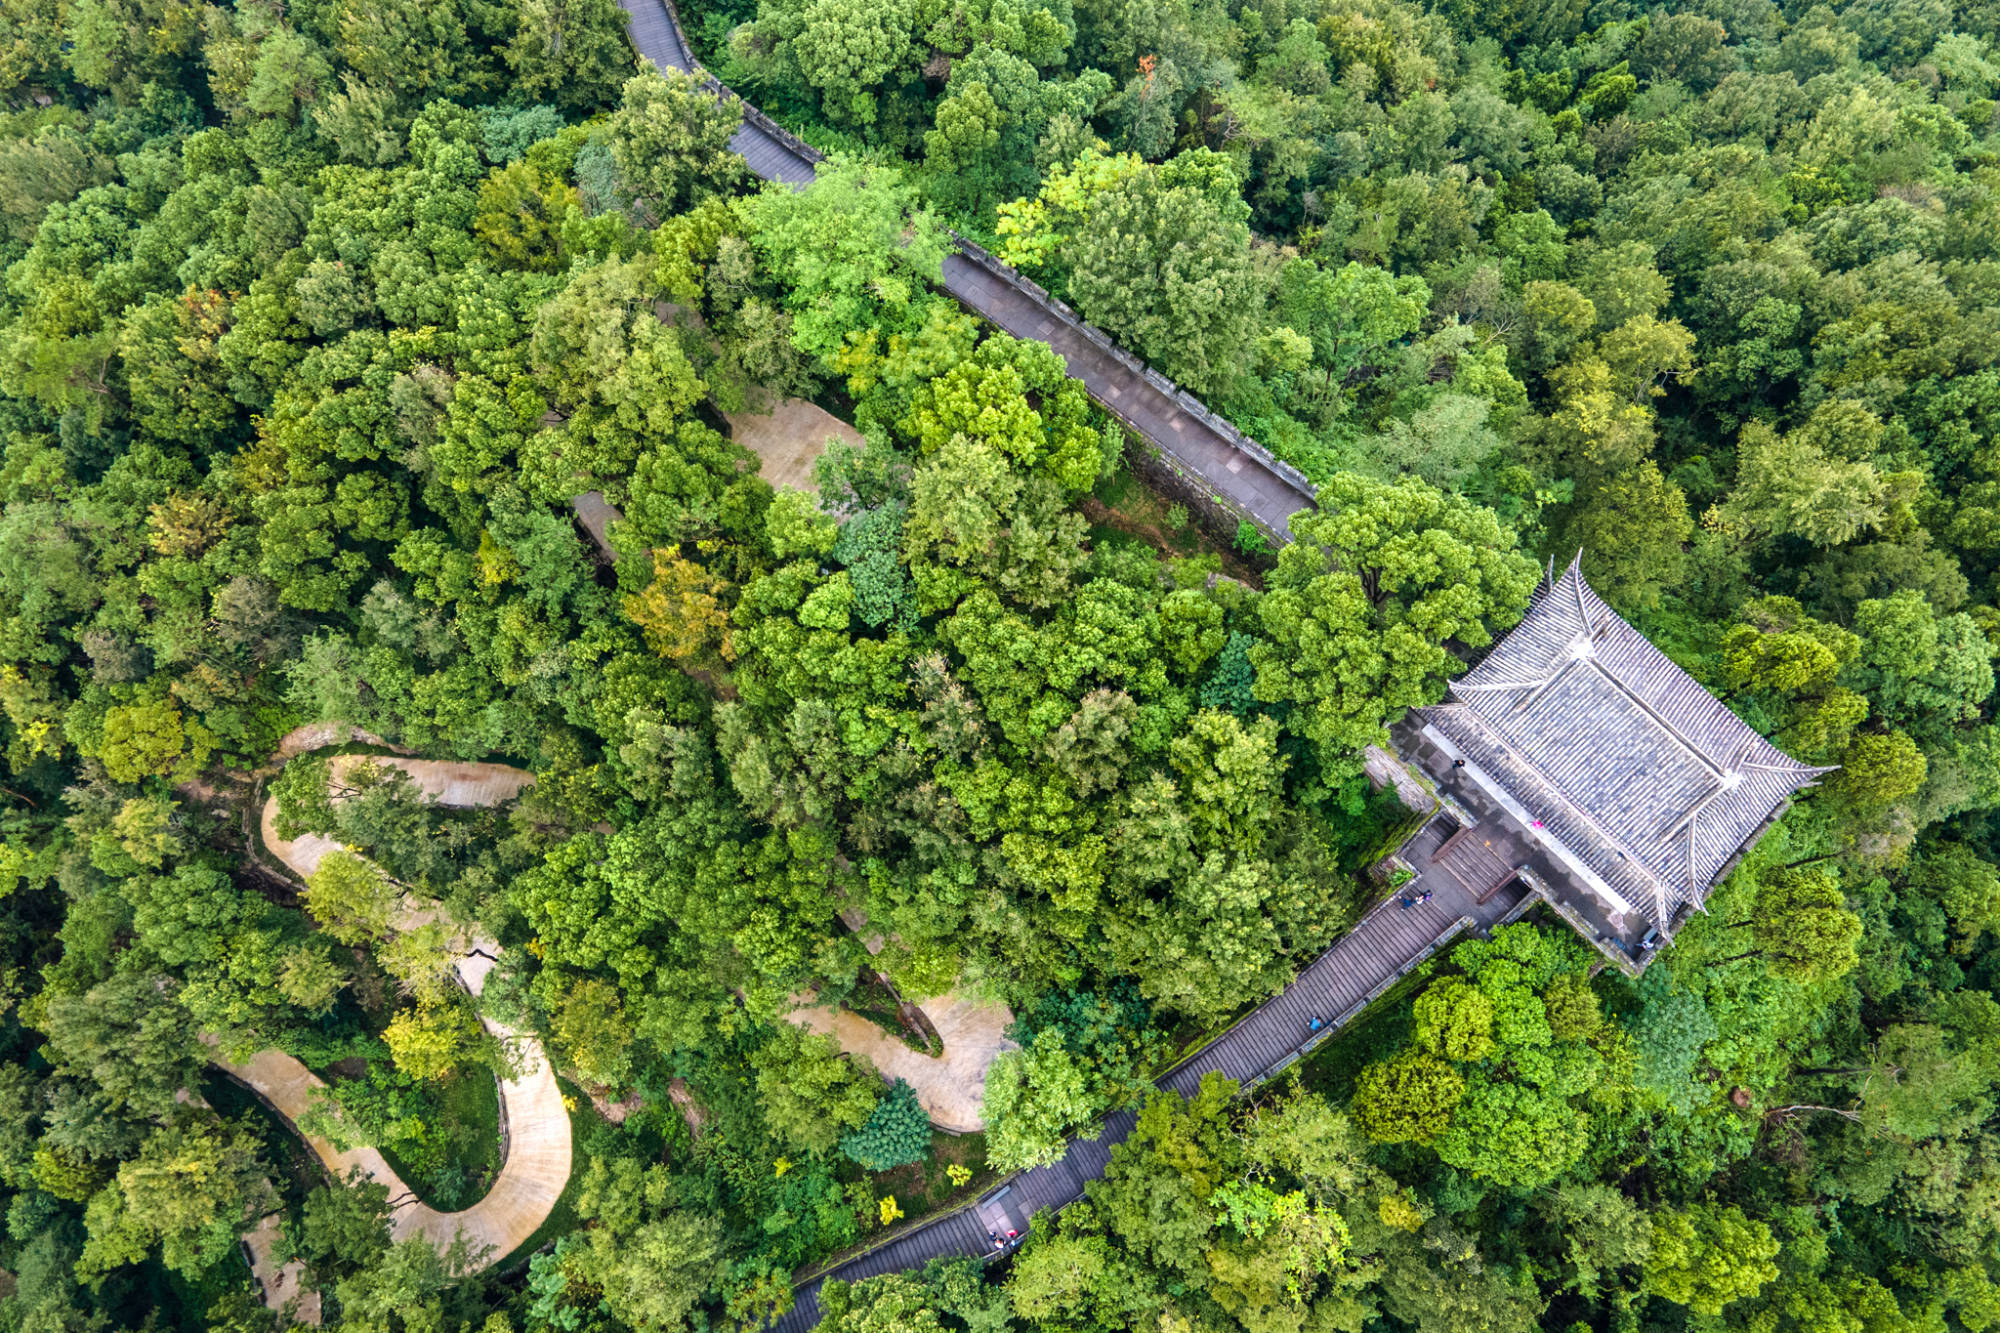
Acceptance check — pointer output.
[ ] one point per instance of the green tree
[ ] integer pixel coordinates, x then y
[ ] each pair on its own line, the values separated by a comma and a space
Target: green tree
433, 1039
404, 1289
655, 1275
592, 1029
351, 898
987, 128
897, 1303
127, 1035
344, 1227
810, 1093
1233, 775
1353, 316
1362, 603
1158, 1192
1631, 527
522, 212
1603, 1233
620, 381
853, 251
1965, 885
848, 51
1454, 1019
670, 141
1879, 770
1069, 1271
150, 739
1034, 1099
1803, 925
191, 1190
1409, 1098
1165, 270
571, 51
1923, 672
1707, 1256
1781, 650
1788, 487
896, 1133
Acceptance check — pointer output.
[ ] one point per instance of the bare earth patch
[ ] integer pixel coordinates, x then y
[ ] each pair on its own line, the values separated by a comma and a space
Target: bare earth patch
283, 1284
615, 1112
691, 1110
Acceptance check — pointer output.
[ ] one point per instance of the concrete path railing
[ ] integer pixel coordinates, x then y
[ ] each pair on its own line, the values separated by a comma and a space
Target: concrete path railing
1233, 470
535, 1135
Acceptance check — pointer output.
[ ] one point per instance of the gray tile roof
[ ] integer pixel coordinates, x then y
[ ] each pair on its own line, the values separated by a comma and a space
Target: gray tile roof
1646, 777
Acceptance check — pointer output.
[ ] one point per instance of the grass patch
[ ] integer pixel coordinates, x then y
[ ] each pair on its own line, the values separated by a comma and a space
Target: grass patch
923, 1188
462, 1166
1123, 508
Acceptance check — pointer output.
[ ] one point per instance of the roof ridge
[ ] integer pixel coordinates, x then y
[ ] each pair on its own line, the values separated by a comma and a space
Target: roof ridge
1646, 767
1653, 706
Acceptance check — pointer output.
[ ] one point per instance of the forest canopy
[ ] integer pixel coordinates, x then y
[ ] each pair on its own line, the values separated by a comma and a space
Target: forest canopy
325, 327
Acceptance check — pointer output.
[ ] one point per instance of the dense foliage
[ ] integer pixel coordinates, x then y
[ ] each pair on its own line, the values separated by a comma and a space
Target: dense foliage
318, 320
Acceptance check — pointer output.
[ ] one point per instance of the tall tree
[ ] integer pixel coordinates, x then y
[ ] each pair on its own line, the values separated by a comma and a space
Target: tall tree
1362, 604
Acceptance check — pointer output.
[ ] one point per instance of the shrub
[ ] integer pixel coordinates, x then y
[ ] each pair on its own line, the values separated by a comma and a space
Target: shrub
896, 1134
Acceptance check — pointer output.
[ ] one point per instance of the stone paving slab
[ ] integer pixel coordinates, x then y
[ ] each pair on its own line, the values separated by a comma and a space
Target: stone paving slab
597, 514
283, 1285
789, 439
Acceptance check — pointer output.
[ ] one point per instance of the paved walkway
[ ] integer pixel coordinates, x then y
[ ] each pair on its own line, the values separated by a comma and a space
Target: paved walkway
1383, 946
949, 1087
1231, 465
535, 1126
1161, 416
283, 1284
789, 439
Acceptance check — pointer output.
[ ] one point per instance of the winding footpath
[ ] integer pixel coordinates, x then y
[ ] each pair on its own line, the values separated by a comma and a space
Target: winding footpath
535, 1126
1205, 453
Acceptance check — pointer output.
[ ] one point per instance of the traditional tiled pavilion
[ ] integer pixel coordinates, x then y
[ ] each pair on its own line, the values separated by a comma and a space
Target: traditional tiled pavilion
1577, 758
